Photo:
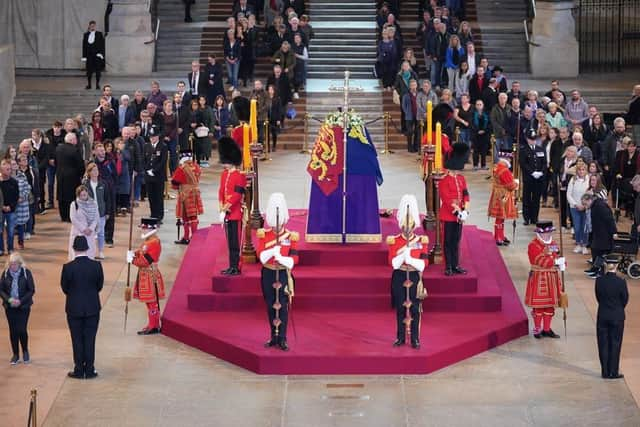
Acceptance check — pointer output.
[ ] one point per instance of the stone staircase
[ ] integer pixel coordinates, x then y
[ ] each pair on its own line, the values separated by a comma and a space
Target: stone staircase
502, 39
345, 38
172, 11
35, 109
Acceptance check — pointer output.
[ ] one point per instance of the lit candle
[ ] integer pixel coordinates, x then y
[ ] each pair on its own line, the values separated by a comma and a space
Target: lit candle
429, 122
438, 164
253, 120
246, 151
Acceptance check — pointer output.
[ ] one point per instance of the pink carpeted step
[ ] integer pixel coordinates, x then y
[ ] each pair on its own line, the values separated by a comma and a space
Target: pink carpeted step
232, 301
341, 280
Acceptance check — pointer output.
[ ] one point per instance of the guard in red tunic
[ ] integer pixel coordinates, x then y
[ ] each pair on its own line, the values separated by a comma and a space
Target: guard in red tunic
233, 183
544, 287
408, 255
185, 179
278, 253
242, 109
454, 205
502, 204
149, 287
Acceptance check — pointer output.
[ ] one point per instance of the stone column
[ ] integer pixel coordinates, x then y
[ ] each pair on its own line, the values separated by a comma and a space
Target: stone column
7, 87
554, 52
130, 28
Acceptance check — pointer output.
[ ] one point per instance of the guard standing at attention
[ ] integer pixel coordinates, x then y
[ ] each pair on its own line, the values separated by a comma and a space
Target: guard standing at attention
454, 205
408, 255
612, 296
149, 287
502, 203
186, 179
155, 166
278, 253
233, 183
533, 163
544, 287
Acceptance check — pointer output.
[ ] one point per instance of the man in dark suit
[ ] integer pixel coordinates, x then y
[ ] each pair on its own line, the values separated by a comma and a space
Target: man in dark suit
81, 282
69, 172
197, 81
603, 227
107, 92
93, 53
612, 296
155, 166
533, 163
490, 94
187, 10
281, 84
242, 7
477, 84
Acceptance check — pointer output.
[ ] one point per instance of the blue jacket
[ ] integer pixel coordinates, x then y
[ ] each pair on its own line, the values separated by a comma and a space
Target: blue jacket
448, 61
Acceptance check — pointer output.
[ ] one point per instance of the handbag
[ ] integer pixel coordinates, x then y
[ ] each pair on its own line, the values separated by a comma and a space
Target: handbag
202, 131
396, 97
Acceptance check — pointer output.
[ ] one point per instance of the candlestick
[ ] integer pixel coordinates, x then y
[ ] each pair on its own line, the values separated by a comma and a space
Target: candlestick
429, 122
438, 162
246, 150
253, 120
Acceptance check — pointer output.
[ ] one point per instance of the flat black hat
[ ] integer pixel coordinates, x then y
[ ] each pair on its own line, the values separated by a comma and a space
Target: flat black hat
242, 108
229, 152
149, 223
80, 244
154, 131
458, 157
531, 134
544, 226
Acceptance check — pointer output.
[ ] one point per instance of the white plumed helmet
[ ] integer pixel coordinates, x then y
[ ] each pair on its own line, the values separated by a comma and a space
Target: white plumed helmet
410, 201
277, 212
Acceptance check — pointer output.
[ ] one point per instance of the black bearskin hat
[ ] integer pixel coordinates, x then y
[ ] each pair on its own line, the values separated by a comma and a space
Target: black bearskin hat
242, 108
458, 157
229, 151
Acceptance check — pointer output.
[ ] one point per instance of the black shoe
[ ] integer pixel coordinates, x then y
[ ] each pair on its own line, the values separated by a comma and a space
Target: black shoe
499, 243
15, 360
233, 271
151, 331
415, 344
459, 270
550, 334
283, 345
25, 357
591, 270
398, 343
97, 87
182, 241
270, 343
526, 222
616, 376
227, 271
188, 19
91, 374
87, 87
76, 375
448, 272
506, 241
537, 336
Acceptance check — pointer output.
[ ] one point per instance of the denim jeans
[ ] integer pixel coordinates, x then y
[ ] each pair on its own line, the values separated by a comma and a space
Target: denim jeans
101, 222
51, 176
20, 229
436, 73
8, 218
578, 220
232, 72
173, 155
137, 186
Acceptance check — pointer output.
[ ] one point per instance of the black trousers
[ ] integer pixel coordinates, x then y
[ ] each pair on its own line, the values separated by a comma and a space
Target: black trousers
267, 279
83, 338
18, 319
598, 253
90, 73
531, 191
609, 345
231, 228
399, 296
564, 208
452, 236
64, 207
42, 178
413, 135
155, 192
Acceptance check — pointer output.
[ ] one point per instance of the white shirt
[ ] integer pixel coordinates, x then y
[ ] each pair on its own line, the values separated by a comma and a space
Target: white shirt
94, 186
194, 83
92, 37
471, 60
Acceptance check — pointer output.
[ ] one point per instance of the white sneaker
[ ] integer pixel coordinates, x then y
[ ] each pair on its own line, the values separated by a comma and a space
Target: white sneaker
27, 236
585, 250
295, 95
577, 249
100, 255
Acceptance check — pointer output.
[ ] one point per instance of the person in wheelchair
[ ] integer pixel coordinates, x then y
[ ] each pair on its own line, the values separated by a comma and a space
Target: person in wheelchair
627, 165
635, 227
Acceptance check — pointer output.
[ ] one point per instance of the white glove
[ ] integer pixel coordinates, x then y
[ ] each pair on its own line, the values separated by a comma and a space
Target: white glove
416, 263
99, 55
536, 174
129, 257
150, 172
463, 215
83, 59
287, 261
222, 215
398, 260
267, 254
561, 263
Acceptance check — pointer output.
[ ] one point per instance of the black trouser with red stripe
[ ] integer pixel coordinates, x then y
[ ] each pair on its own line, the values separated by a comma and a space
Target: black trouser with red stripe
231, 228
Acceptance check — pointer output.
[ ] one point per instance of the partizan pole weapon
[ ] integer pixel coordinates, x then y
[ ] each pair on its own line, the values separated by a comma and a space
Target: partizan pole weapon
127, 291
563, 297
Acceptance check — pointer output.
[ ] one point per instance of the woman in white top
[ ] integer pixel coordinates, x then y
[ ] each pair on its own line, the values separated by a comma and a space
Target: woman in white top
85, 217
461, 80
578, 185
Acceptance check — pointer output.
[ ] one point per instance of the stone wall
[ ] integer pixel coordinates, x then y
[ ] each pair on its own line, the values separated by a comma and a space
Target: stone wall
48, 34
7, 84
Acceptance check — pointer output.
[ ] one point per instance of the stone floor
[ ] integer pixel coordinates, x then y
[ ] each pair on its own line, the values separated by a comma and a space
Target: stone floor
155, 381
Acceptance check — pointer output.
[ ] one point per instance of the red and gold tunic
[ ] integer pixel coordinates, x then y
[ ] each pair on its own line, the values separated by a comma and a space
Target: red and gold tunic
543, 286
453, 190
419, 246
446, 147
146, 259
185, 179
502, 202
288, 241
231, 193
